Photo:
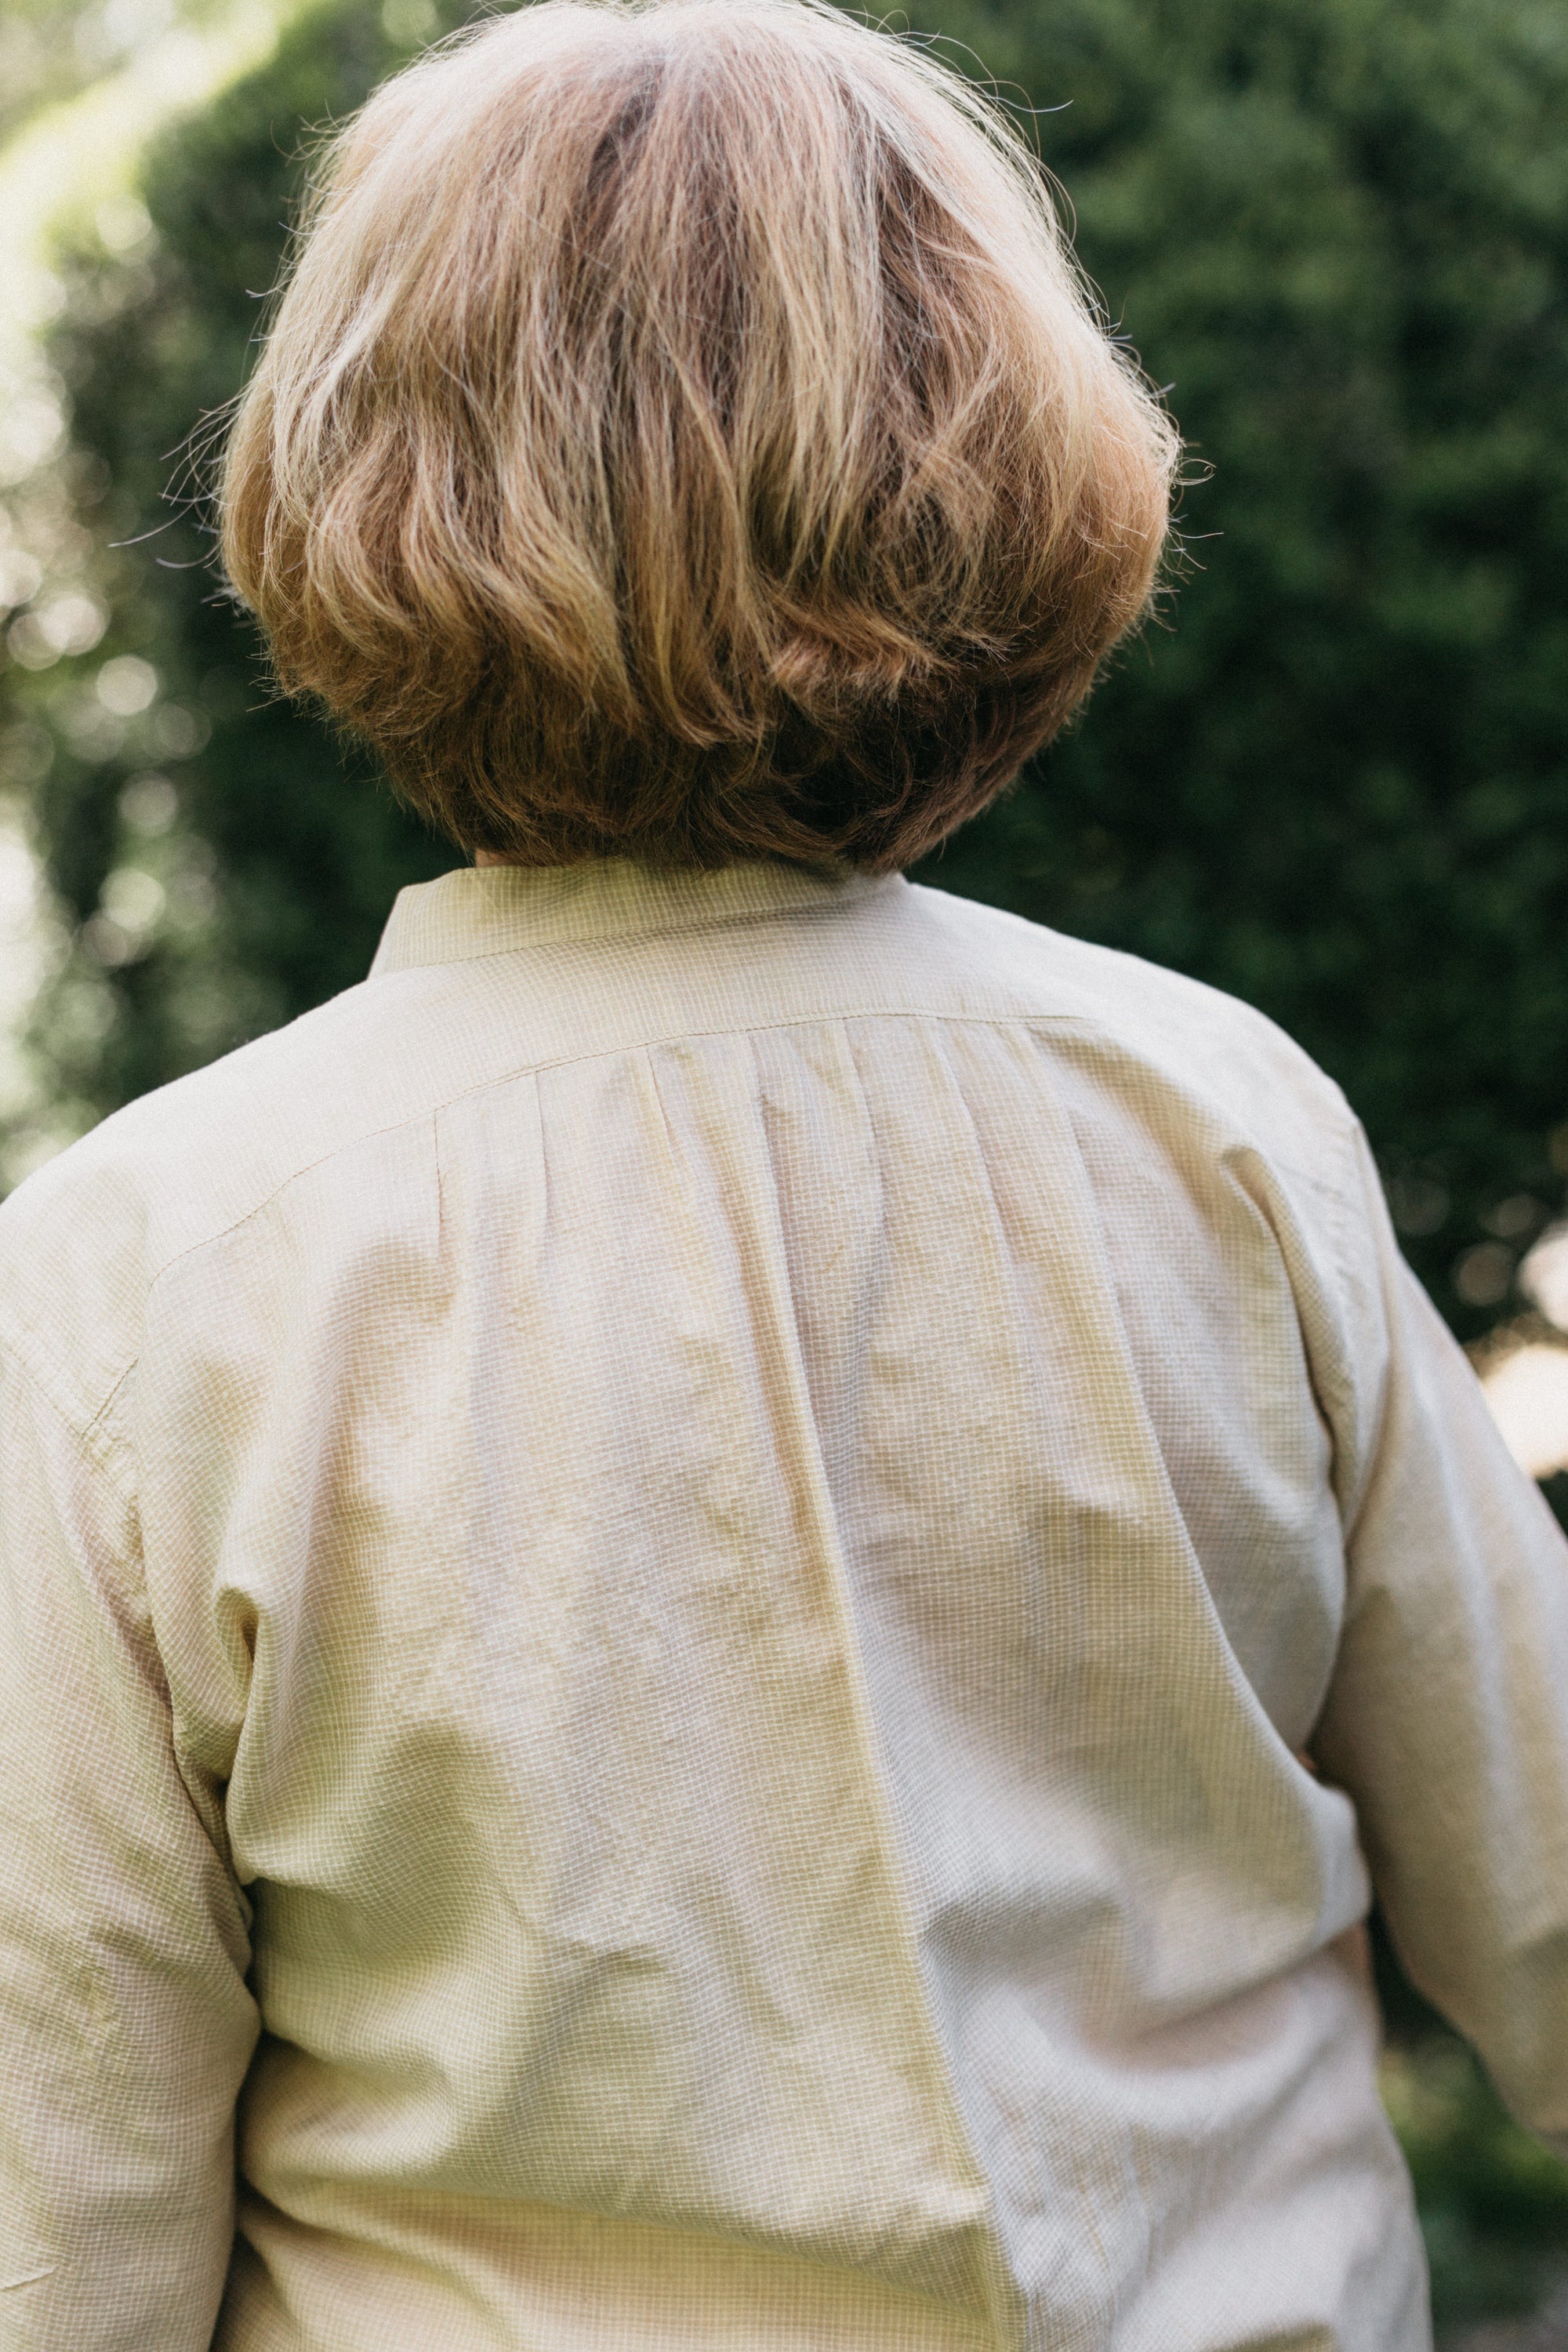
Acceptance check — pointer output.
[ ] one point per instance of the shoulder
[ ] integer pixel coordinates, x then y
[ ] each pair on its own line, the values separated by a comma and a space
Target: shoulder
1182, 1095
1142, 1027
83, 1239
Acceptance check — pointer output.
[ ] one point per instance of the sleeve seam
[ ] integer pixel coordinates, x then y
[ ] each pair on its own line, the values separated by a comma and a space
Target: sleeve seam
92, 1432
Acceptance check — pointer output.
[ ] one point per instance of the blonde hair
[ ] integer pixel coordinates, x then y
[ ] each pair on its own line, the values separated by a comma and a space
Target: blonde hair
683, 436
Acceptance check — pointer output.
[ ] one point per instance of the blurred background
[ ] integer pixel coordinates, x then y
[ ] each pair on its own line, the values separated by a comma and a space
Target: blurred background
1333, 779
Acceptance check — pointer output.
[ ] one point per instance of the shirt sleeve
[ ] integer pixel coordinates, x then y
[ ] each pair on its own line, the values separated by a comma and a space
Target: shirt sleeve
1446, 1718
126, 2026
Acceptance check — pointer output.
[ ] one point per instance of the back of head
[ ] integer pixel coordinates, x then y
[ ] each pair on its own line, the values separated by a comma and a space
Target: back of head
683, 436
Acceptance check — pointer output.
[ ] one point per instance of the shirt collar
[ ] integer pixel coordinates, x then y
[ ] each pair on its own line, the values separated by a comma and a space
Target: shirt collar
496, 909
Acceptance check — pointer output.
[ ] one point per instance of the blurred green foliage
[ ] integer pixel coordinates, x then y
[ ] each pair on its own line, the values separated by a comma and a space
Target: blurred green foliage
51, 49
1334, 780
1493, 2202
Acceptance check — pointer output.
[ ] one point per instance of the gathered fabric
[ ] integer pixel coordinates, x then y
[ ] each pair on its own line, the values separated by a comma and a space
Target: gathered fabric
715, 1608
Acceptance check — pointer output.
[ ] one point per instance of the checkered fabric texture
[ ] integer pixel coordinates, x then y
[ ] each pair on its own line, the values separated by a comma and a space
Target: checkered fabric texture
714, 1608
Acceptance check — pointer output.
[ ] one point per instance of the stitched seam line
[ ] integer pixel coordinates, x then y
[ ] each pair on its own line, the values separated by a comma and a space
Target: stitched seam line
603, 1054
88, 1434
1030, 1021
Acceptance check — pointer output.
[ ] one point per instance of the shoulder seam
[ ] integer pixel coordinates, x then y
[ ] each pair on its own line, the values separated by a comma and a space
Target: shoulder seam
433, 1110
92, 1432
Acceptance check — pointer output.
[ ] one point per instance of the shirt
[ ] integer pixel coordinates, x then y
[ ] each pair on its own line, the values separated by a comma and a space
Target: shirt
722, 1598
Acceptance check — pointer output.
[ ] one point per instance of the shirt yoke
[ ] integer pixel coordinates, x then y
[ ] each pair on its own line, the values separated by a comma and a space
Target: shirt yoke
83, 1239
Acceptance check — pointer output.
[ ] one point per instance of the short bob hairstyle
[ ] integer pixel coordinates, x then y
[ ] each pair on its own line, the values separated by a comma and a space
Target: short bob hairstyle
683, 437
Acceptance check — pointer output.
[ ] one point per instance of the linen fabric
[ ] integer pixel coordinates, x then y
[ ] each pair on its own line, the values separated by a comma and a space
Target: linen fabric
725, 1594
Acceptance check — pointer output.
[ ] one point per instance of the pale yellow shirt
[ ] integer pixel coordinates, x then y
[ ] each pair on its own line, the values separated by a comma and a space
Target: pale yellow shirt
685, 1547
